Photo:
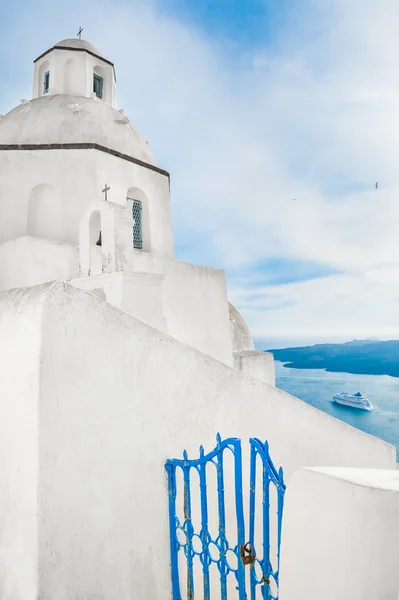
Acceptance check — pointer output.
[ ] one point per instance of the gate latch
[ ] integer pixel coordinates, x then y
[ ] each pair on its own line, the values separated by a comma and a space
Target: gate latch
247, 554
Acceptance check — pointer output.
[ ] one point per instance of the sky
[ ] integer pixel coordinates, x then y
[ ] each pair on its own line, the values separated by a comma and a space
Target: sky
275, 119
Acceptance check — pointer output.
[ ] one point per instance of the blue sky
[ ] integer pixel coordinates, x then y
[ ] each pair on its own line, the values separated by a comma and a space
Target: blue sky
275, 119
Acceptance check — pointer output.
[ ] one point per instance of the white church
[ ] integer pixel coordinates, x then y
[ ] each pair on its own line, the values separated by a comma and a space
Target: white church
116, 358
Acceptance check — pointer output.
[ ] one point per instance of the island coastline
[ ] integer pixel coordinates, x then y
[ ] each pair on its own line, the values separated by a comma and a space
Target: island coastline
358, 357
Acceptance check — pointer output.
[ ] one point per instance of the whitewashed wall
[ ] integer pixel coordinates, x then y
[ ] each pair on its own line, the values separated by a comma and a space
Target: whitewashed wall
341, 535
256, 364
187, 301
196, 308
59, 170
195, 304
27, 261
138, 294
116, 399
20, 339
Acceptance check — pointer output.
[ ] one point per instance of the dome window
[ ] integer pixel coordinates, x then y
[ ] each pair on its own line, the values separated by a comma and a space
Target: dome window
46, 82
98, 85
137, 225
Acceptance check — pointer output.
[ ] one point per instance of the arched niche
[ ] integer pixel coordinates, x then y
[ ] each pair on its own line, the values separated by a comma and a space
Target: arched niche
95, 259
45, 213
135, 194
45, 67
100, 72
95, 228
90, 241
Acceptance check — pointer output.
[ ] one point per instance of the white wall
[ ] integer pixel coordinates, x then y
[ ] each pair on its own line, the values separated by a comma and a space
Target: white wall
20, 339
192, 306
139, 294
256, 364
195, 304
61, 169
196, 308
142, 296
341, 535
29, 261
116, 399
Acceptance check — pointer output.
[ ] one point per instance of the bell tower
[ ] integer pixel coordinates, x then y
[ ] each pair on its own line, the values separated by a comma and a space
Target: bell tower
74, 67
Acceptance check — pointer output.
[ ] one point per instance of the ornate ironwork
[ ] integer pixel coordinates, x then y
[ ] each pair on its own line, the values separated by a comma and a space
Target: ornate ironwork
268, 579
183, 535
137, 225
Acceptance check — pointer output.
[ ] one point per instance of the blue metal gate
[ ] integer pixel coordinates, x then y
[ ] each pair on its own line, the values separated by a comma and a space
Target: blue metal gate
200, 552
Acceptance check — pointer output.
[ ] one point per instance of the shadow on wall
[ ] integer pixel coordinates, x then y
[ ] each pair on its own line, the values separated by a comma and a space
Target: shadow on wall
99, 292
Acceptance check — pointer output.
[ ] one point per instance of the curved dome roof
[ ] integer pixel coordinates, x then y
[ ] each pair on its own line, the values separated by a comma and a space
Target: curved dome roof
240, 333
66, 119
80, 44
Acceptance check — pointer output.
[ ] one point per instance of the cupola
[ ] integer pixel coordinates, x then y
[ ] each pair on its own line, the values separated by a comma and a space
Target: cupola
77, 68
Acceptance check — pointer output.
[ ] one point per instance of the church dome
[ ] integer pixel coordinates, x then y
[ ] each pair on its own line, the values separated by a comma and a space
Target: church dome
240, 333
68, 119
78, 45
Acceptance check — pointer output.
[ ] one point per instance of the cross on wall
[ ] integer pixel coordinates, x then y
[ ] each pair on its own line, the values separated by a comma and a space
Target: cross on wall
105, 191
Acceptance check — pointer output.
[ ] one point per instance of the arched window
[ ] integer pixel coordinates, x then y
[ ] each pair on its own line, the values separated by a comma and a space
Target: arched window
43, 84
99, 82
46, 82
45, 213
141, 221
137, 225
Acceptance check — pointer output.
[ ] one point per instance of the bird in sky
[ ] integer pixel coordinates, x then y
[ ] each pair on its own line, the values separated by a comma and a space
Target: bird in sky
376, 186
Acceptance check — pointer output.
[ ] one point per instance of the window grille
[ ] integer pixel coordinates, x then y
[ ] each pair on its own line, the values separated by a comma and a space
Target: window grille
137, 225
98, 86
46, 82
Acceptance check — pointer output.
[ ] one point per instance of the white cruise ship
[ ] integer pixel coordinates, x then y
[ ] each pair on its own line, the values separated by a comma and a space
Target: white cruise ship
353, 400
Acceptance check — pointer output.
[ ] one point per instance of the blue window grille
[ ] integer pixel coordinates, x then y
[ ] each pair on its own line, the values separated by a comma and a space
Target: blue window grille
137, 225
98, 86
46, 82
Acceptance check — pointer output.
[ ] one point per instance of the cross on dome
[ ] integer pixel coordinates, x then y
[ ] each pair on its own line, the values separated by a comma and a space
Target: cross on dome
80, 33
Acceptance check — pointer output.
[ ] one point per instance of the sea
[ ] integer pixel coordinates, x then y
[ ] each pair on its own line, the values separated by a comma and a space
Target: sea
317, 387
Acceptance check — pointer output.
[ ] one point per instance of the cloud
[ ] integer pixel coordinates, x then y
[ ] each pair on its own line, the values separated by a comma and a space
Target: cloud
312, 115
342, 306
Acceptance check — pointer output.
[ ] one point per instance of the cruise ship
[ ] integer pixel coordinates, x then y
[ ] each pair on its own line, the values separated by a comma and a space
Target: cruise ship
354, 400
